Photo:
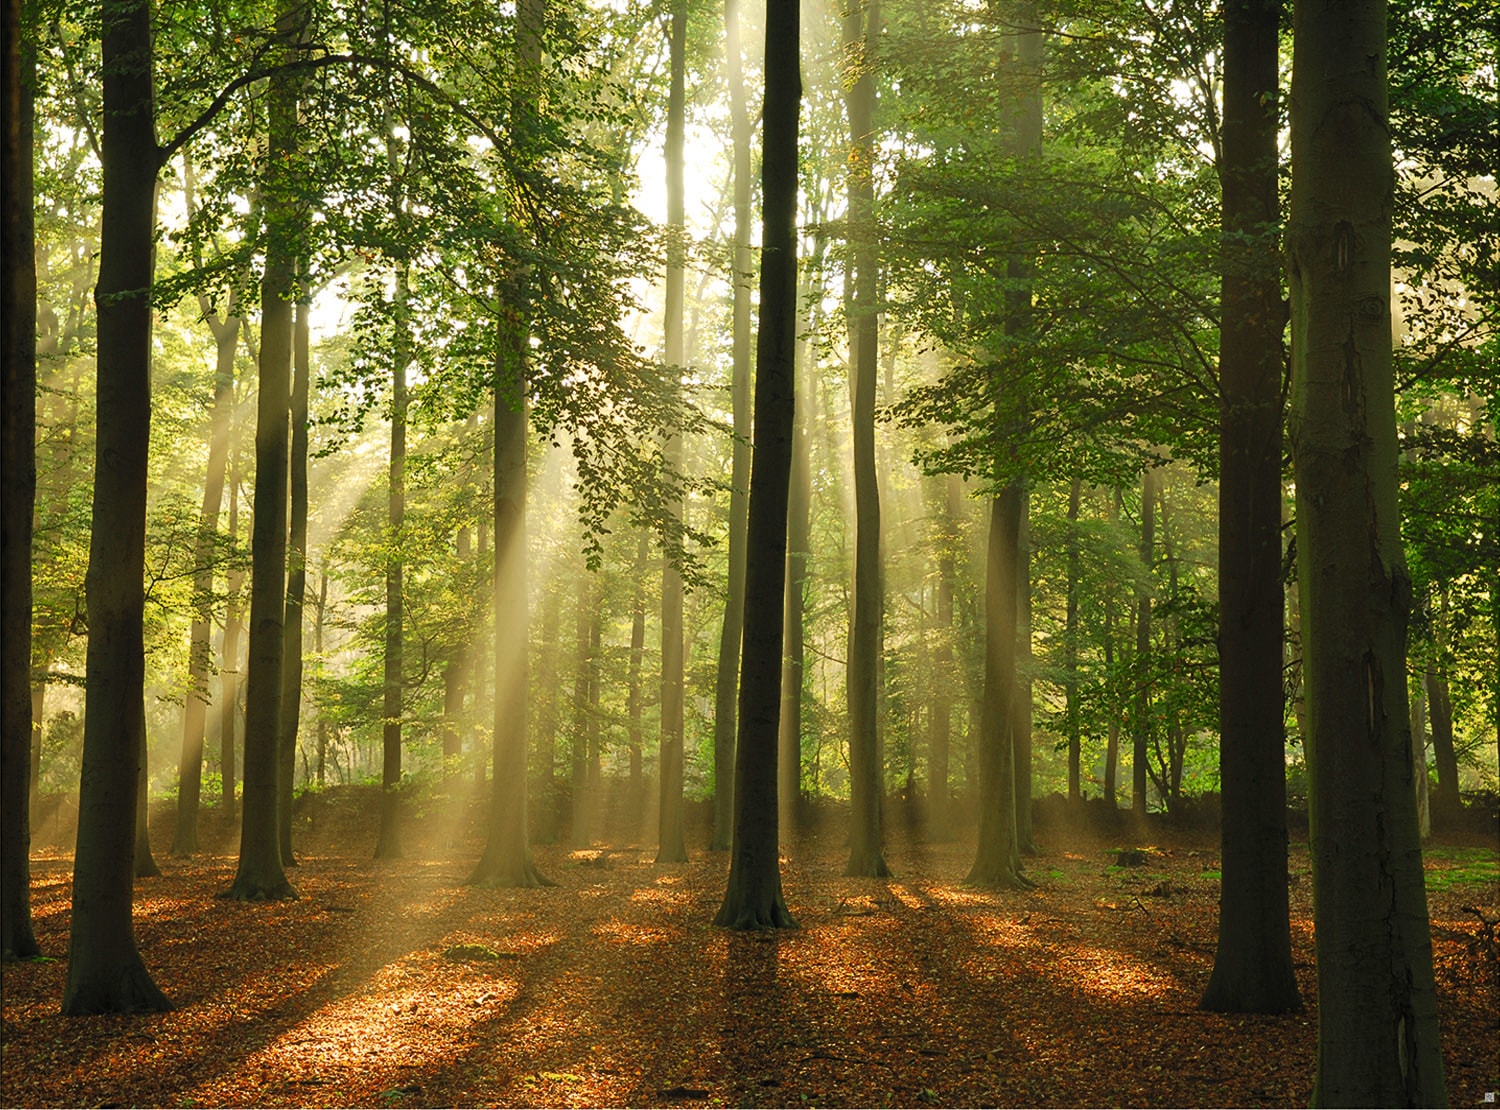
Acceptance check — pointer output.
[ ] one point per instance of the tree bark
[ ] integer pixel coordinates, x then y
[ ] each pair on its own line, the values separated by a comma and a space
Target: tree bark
1021, 729
1253, 961
940, 736
229, 668
105, 970
260, 876
753, 898
507, 861
144, 863
17, 491
1377, 1008
861, 25
1070, 648
388, 844
671, 847
636, 732
296, 580
743, 267
1140, 711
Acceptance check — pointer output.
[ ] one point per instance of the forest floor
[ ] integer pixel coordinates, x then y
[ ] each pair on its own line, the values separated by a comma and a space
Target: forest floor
395, 984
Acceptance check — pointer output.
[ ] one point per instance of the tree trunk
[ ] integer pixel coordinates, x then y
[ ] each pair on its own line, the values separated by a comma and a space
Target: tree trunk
229, 668
1112, 742
547, 818
296, 581
388, 846
633, 692
1021, 729
507, 852
861, 26
997, 858
1140, 712
1253, 962
940, 736
1070, 649
105, 971
318, 649
1419, 759
578, 745
1377, 1008
1445, 800
17, 492
144, 863
727, 686
260, 876
753, 898
671, 847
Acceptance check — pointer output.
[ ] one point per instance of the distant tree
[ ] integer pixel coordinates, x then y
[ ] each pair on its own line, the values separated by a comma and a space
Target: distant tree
866, 777
753, 899
17, 487
1377, 1008
105, 970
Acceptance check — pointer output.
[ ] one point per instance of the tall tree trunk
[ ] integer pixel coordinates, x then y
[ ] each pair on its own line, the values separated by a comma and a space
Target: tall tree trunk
1140, 710
1253, 962
861, 26
547, 820
753, 897
997, 859
633, 692
1377, 1007
940, 737
507, 852
388, 846
260, 876
17, 491
226, 334
671, 847
105, 971
1070, 648
1021, 729
321, 612
296, 579
229, 668
578, 748
1419, 759
1446, 802
1112, 742
727, 686
144, 863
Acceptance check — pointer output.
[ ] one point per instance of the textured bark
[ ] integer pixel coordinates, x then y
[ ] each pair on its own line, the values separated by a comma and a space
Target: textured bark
17, 492
866, 775
997, 858
229, 667
105, 971
507, 861
388, 843
1140, 706
726, 687
1253, 962
671, 847
1377, 1008
296, 583
753, 898
1070, 648
940, 735
1021, 728
260, 876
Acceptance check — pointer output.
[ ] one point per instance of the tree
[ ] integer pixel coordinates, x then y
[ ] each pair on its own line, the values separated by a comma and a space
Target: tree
1140, 704
726, 686
18, 492
671, 847
105, 970
753, 898
296, 578
861, 26
260, 876
1377, 1010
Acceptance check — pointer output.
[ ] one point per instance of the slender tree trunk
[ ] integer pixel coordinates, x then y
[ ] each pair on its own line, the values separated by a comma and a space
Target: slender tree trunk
1253, 962
753, 898
1419, 759
671, 847
322, 610
727, 686
229, 669
1021, 730
144, 862
633, 693
296, 580
940, 737
507, 853
997, 859
105, 971
17, 491
547, 822
260, 876
861, 25
1140, 712
578, 749
1445, 800
388, 846
1377, 1007
1070, 648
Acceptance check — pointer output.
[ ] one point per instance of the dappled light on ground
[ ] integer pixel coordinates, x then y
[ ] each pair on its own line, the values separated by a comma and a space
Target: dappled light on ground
395, 984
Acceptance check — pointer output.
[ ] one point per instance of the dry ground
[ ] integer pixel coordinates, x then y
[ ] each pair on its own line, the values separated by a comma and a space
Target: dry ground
394, 984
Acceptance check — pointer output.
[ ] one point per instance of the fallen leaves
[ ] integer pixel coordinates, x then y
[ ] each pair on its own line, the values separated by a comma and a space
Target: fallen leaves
395, 984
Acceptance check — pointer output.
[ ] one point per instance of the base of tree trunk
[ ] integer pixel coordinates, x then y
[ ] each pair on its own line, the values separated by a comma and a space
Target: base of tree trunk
998, 878
870, 865
245, 889
675, 854
749, 912
146, 867
19, 943
124, 988
520, 875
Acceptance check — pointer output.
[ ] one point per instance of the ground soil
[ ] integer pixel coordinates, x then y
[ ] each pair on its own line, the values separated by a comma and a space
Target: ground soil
395, 984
